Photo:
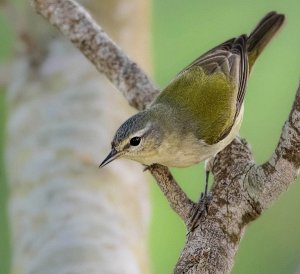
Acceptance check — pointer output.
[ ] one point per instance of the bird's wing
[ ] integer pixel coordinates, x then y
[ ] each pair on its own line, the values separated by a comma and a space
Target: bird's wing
208, 94
230, 58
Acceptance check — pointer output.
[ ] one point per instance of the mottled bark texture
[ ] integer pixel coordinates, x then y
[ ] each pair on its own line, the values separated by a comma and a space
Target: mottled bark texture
241, 189
66, 215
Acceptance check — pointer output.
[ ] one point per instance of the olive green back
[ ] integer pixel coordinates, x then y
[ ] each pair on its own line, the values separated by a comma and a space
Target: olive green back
204, 104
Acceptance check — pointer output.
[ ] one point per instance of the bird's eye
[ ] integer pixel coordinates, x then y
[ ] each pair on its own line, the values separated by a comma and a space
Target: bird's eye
135, 141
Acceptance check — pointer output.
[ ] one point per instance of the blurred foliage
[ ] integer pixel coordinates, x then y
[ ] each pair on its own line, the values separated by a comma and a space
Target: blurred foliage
182, 30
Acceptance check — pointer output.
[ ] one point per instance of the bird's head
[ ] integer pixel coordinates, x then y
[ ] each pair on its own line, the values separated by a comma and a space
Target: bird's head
137, 139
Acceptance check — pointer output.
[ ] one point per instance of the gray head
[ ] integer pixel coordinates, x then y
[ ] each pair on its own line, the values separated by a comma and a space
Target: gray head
137, 139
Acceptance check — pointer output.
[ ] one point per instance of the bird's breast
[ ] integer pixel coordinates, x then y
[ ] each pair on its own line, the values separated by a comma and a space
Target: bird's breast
189, 150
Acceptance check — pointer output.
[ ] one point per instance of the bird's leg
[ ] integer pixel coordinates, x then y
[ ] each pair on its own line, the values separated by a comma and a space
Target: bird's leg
206, 182
201, 207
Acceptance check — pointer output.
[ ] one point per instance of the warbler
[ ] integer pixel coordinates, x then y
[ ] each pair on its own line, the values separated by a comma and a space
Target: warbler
200, 112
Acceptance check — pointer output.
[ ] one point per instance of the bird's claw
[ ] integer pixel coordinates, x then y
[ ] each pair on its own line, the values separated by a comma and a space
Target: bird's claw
200, 208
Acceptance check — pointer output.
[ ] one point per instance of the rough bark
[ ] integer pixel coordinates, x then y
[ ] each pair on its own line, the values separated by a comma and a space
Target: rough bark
66, 215
241, 189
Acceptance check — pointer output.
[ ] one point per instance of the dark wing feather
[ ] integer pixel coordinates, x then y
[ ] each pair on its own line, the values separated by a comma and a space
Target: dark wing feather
226, 46
239, 48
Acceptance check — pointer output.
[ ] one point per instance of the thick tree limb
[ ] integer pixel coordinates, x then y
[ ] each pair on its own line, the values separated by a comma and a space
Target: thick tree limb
241, 189
65, 215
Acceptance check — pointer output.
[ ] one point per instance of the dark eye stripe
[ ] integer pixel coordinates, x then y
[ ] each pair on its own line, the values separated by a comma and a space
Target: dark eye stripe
126, 146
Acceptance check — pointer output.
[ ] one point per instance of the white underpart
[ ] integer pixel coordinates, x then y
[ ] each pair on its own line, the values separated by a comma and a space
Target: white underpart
191, 151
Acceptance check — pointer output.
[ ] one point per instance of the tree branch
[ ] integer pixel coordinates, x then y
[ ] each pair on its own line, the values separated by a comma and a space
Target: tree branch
178, 200
80, 28
266, 182
241, 189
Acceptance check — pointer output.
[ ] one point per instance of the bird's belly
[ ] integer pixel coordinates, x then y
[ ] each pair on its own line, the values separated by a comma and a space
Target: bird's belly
191, 151
191, 155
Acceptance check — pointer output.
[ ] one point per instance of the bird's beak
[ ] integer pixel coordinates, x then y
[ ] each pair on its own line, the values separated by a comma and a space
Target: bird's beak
110, 157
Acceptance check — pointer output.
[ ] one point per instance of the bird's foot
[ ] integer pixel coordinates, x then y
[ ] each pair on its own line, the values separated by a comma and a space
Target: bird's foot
200, 208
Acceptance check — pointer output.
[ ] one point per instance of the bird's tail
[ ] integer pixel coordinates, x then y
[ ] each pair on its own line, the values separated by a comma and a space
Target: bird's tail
262, 34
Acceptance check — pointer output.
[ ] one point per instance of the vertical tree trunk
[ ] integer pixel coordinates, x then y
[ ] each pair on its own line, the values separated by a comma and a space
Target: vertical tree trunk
66, 215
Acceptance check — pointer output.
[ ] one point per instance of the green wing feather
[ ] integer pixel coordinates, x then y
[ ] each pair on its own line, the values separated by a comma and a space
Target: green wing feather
208, 94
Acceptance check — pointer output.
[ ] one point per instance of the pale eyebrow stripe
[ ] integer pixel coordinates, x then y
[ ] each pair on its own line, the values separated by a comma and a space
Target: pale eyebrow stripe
141, 132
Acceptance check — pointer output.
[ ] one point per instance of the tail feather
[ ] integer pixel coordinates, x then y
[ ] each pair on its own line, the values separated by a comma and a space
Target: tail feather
262, 34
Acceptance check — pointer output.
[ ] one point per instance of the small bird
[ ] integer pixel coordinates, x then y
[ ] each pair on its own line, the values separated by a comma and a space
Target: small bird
200, 112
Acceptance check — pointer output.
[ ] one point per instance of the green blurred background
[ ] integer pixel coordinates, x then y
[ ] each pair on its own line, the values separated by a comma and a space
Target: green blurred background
182, 30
